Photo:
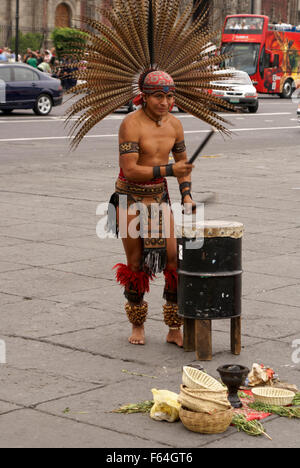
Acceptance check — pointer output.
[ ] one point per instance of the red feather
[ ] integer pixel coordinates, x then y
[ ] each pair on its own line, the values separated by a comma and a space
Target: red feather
171, 280
138, 101
138, 281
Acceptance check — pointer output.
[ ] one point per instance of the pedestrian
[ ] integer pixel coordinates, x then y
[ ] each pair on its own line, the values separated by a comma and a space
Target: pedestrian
32, 61
56, 70
11, 56
53, 56
44, 66
39, 57
139, 209
27, 55
4, 55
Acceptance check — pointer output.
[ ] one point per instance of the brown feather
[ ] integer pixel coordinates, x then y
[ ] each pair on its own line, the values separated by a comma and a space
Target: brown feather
116, 54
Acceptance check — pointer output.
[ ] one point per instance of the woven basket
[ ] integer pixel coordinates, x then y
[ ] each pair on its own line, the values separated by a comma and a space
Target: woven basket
203, 400
194, 378
203, 423
273, 396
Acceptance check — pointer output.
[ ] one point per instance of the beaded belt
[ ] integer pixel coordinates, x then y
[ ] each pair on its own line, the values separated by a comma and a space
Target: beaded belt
131, 188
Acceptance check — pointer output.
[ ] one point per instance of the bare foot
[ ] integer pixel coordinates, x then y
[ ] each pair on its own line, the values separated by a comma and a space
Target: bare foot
138, 335
175, 337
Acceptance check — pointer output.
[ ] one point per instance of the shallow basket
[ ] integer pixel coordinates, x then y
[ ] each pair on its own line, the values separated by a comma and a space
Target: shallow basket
194, 378
204, 423
273, 396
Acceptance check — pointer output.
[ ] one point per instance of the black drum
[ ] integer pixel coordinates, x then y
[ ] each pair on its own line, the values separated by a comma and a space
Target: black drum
210, 271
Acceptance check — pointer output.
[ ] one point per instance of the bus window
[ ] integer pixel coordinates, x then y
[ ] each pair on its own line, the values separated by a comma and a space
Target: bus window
293, 61
238, 24
268, 63
276, 61
244, 56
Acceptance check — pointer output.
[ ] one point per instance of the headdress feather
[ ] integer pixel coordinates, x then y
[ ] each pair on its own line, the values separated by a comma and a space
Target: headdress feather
147, 35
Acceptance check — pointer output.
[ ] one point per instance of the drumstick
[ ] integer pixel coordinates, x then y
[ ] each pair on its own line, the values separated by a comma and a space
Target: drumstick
205, 142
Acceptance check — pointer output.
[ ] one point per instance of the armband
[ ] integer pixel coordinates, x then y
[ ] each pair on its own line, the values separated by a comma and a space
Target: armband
129, 147
185, 185
179, 147
184, 195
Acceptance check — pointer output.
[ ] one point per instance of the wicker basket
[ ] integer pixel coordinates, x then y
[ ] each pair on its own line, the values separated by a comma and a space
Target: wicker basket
194, 378
273, 396
203, 423
203, 400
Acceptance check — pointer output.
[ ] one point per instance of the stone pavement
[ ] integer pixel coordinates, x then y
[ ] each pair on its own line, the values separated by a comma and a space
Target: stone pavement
68, 359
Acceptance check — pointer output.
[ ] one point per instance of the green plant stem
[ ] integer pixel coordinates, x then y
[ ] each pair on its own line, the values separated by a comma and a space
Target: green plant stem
283, 411
252, 428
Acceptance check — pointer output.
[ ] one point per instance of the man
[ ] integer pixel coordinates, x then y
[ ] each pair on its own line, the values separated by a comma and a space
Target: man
146, 47
146, 139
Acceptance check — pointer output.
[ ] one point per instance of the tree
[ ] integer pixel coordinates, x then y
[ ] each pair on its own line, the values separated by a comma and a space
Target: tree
66, 40
33, 41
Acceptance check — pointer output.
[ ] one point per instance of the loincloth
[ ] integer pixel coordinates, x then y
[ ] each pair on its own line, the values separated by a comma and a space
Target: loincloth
147, 202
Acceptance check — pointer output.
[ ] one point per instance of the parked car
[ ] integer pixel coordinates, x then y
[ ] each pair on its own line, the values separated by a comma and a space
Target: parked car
24, 87
243, 93
129, 107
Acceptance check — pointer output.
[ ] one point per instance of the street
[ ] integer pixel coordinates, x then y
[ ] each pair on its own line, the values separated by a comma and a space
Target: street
68, 360
254, 130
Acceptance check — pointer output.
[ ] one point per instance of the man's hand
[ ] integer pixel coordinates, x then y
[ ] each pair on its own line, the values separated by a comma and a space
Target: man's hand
182, 169
189, 205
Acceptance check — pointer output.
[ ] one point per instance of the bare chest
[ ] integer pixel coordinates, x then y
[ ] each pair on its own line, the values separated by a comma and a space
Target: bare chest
156, 145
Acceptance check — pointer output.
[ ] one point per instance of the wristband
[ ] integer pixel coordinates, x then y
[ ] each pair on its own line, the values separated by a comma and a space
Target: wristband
156, 172
169, 170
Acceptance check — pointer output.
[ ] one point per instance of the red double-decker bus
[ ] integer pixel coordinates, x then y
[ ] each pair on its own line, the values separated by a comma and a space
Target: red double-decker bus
270, 54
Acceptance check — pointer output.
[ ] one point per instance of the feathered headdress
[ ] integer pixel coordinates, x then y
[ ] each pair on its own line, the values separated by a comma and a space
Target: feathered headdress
147, 35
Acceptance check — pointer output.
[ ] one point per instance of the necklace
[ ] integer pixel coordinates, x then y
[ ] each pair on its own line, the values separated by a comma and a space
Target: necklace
158, 122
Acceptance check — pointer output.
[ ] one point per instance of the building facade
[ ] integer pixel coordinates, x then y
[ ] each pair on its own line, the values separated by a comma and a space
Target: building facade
44, 15
38, 14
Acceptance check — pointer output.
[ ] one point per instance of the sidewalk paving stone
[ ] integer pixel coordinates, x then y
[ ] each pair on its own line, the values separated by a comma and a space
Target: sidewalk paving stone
42, 232
157, 350
286, 295
46, 361
34, 429
32, 386
43, 283
285, 266
39, 318
44, 254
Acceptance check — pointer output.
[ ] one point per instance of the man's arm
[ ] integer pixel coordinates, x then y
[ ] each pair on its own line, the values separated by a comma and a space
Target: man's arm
129, 154
180, 154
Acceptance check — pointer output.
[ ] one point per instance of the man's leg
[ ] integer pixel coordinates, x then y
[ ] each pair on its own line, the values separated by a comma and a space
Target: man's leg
172, 320
136, 284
